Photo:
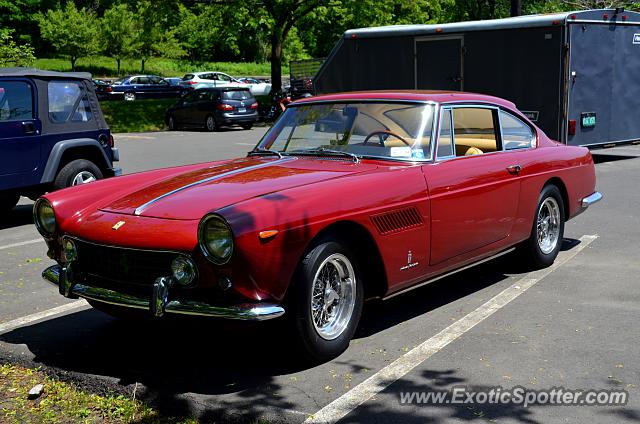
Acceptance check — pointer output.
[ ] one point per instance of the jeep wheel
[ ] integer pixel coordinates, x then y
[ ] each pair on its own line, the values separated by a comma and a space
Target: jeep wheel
130, 96
77, 172
8, 201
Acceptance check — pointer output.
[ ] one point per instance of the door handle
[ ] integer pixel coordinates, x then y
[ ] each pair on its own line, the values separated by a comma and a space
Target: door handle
514, 169
28, 128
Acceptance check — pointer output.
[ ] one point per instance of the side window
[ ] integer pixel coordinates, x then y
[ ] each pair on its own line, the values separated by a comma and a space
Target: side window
134, 81
223, 77
445, 142
515, 133
474, 131
16, 101
67, 102
203, 96
143, 80
214, 95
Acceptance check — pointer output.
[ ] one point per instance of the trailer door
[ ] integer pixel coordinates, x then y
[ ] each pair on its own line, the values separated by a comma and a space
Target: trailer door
439, 63
604, 90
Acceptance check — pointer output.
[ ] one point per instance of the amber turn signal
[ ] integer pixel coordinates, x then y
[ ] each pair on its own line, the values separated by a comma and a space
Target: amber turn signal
265, 235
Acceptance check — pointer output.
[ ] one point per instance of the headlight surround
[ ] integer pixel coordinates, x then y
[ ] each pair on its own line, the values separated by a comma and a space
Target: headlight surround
184, 270
44, 217
216, 239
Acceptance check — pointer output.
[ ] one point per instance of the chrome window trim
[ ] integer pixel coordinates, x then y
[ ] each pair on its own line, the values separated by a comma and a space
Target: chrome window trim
470, 105
534, 132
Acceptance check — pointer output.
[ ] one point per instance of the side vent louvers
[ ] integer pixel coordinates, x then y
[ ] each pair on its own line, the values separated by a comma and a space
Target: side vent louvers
392, 222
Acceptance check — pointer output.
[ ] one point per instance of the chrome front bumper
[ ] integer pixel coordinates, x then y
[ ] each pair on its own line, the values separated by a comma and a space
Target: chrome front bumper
159, 302
590, 200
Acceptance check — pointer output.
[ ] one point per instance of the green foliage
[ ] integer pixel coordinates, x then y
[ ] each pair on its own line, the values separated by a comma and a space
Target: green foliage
156, 37
12, 54
119, 33
71, 31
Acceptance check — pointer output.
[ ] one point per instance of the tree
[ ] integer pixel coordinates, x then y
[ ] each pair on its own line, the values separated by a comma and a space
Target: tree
12, 54
155, 35
71, 31
119, 33
282, 16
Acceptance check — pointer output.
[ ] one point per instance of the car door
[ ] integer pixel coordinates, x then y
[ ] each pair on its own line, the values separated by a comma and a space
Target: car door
184, 111
473, 187
144, 88
19, 132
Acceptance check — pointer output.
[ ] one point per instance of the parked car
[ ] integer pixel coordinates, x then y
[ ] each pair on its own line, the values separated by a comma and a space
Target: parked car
144, 87
52, 134
347, 197
103, 89
211, 108
173, 81
197, 80
257, 87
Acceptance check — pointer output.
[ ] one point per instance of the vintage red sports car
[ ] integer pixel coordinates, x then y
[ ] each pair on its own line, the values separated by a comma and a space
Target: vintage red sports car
347, 197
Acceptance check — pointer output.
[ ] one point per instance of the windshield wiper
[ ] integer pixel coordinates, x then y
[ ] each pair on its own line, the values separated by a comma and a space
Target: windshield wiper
321, 150
261, 151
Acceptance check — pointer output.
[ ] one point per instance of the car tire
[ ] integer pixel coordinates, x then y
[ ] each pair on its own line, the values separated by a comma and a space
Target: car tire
246, 126
77, 172
171, 123
8, 201
328, 262
121, 312
210, 123
130, 96
545, 241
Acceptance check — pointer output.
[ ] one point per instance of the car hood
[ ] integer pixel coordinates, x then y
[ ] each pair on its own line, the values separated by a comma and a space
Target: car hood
192, 194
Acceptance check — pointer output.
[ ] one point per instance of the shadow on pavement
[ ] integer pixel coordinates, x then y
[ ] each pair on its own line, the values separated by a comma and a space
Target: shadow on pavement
18, 216
603, 158
175, 357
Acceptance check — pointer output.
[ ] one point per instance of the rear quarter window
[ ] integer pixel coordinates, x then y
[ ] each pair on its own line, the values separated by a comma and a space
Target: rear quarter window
16, 100
187, 77
68, 102
515, 133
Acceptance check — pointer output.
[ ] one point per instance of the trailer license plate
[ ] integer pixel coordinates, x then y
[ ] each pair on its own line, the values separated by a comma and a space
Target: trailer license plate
588, 119
242, 110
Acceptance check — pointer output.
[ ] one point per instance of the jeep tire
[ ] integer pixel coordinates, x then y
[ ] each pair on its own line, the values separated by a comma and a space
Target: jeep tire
76, 172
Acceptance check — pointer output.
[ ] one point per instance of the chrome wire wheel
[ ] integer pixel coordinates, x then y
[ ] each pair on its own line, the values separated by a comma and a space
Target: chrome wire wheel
83, 177
548, 225
333, 296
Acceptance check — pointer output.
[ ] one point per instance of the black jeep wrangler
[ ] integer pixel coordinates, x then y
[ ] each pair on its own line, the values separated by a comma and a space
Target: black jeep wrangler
52, 134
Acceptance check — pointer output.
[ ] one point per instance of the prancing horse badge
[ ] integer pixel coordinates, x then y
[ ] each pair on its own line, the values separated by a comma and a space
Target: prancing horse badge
118, 225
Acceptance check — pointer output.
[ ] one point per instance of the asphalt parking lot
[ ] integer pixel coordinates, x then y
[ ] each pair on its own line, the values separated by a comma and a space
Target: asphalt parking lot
574, 325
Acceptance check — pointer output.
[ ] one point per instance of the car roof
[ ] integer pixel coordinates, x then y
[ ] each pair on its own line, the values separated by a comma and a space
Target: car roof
410, 95
33, 72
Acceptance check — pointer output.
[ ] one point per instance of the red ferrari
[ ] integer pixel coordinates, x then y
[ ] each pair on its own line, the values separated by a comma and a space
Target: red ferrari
347, 197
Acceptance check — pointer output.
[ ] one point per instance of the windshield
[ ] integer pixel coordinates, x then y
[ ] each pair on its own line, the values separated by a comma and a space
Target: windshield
393, 130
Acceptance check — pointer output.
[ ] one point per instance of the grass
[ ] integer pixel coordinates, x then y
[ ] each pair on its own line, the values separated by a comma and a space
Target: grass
63, 403
105, 67
136, 116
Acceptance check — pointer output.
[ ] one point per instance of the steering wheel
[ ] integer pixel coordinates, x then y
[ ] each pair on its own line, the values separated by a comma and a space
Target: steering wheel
380, 133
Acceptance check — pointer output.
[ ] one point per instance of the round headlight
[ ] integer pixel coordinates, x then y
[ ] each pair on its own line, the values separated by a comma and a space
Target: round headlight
184, 270
216, 239
44, 217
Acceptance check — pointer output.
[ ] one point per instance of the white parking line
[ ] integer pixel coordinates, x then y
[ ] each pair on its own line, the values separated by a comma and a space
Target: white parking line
22, 243
20, 322
375, 384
